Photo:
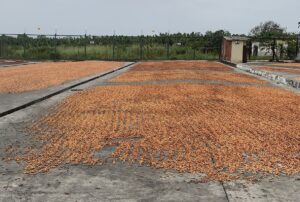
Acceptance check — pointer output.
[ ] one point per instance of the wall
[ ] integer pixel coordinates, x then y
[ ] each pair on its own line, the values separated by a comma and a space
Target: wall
263, 51
237, 52
226, 50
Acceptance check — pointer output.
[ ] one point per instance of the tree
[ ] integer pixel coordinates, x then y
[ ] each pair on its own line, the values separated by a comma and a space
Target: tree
266, 33
213, 40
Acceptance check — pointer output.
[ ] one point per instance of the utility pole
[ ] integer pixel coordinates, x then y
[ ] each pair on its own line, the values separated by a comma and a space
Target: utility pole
298, 50
55, 42
141, 45
85, 44
168, 46
274, 50
113, 48
1, 46
24, 45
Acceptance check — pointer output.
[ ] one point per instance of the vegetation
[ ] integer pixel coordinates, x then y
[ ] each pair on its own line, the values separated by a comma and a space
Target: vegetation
159, 47
268, 34
163, 46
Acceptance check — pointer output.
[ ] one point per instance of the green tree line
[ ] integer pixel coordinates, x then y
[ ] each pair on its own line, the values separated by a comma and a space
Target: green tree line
162, 46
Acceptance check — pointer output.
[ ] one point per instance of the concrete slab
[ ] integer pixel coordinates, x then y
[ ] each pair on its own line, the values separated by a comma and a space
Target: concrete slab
10, 62
19, 64
271, 189
9, 101
119, 181
282, 78
109, 182
292, 72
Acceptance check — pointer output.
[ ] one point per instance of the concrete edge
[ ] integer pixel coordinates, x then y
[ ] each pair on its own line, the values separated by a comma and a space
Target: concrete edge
2, 114
228, 63
19, 64
271, 76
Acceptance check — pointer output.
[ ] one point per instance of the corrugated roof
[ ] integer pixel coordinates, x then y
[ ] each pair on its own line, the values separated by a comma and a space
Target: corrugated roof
236, 38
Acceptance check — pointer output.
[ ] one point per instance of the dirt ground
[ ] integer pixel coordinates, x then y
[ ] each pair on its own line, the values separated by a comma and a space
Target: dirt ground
39, 76
156, 141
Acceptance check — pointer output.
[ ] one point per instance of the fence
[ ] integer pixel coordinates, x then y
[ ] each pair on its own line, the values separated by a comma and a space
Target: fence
270, 48
82, 47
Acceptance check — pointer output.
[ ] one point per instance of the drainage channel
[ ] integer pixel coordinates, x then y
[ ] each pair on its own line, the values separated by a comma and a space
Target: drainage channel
2, 114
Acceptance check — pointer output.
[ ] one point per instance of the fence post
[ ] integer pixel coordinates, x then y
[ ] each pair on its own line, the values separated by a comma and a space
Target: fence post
194, 54
55, 43
36, 46
168, 47
297, 46
141, 47
0, 46
113, 53
24, 46
85, 44
273, 49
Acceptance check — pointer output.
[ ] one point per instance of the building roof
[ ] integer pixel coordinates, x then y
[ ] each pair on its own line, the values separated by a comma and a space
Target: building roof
236, 38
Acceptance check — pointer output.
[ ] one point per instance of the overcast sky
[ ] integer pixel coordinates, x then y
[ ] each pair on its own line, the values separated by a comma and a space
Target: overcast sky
133, 17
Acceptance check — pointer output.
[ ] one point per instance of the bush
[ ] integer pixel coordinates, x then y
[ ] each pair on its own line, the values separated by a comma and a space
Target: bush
180, 52
55, 56
42, 53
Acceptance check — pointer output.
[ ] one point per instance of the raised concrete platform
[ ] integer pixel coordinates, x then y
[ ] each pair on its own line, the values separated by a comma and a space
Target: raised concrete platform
285, 78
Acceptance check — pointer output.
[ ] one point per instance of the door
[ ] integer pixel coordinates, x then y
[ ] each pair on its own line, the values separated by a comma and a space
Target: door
245, 54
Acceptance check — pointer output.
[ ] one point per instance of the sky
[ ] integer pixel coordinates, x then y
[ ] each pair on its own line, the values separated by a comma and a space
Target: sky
135, 17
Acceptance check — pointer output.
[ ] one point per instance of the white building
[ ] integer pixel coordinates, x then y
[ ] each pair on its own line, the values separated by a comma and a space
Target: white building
259, 50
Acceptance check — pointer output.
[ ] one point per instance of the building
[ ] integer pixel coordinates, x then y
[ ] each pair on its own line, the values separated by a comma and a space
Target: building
234, 49
258, 49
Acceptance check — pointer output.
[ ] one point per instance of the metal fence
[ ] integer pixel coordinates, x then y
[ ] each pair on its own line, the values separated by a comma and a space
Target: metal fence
83, 47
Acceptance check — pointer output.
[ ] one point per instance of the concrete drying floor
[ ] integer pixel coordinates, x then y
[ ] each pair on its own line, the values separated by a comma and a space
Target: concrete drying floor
9, 101
120, 181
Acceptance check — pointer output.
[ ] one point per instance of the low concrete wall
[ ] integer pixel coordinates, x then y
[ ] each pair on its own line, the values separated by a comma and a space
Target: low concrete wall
228, 63
271, 76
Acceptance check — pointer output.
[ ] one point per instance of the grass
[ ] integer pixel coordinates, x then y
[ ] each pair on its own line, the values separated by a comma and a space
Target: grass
264, 57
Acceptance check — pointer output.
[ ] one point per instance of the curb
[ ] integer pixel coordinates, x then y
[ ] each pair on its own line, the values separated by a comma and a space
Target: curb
228, 63
273, 77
